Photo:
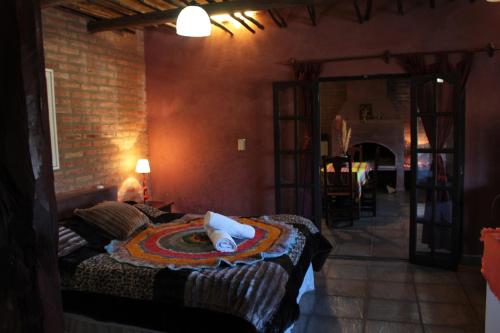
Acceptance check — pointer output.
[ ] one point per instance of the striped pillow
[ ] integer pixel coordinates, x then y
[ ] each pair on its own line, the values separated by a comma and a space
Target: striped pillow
118, 219
69, 241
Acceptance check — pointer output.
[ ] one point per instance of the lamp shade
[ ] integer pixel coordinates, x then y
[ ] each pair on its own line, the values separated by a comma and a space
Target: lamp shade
142, 166
193, 21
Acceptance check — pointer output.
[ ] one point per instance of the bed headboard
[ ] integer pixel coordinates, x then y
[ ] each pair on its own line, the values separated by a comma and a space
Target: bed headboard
67, 202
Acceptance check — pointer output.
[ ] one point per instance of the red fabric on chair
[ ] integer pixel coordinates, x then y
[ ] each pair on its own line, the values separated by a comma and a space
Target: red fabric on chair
491, 259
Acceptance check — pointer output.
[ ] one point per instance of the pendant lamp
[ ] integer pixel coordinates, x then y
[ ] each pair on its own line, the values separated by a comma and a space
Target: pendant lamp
193, 21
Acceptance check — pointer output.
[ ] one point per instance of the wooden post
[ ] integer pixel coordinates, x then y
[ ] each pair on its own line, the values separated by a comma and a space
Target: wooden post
30, 300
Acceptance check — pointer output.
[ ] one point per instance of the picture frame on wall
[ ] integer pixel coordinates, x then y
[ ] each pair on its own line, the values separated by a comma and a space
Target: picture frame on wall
366, 112
51, 101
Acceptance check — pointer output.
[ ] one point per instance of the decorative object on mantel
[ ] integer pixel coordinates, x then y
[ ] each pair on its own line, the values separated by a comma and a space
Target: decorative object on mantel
366, 113
344, 133
143, 167
193, 21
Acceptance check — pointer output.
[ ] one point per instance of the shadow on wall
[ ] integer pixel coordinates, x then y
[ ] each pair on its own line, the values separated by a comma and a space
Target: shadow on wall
479, 214
130, 190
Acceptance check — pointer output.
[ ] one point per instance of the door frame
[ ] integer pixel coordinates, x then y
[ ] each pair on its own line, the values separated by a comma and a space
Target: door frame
458, 172
460, 139
316, 141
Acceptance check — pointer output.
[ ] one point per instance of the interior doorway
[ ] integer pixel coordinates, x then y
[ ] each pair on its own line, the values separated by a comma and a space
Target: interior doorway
404, 194
378, 112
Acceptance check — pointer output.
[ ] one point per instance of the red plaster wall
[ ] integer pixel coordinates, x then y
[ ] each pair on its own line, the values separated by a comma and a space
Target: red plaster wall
203, 94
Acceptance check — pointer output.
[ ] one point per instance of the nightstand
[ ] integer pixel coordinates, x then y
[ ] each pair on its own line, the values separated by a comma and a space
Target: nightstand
165, 206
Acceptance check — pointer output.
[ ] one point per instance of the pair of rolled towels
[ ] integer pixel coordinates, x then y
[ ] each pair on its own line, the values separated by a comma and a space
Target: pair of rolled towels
221, 230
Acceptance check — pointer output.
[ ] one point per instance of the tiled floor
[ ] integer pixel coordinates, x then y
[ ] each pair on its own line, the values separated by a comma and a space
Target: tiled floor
383, 236
392, 296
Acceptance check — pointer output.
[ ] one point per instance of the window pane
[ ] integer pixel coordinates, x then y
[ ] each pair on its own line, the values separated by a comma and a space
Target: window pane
286, 101
287, 169
424, 168
287, 135
424, 205
445, 169
425, 131
443, 240
444, 208
444, 96
425, 97
444, 132
288, 201
305, 169
422, 243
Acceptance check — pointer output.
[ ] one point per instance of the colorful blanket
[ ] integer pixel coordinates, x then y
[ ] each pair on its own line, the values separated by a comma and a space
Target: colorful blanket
263, 293
185, 245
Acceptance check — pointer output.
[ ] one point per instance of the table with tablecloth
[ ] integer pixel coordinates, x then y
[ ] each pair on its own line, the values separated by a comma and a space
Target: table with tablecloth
360, 171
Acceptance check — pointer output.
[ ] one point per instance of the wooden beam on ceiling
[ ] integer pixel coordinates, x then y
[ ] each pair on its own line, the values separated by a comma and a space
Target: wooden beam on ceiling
114, 7
53, 3
401, 10
312, 13
358, 11
253, 20
368, 11
274, 17
216, 8
243, 23
221, 26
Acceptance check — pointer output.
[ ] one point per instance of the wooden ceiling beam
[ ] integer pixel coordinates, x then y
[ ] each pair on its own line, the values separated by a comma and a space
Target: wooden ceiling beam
358, 11
54, 3
216, 8
221, 26
312, 14
253, 20
275, 18
242, 22
368, 11
401, 10
114, 7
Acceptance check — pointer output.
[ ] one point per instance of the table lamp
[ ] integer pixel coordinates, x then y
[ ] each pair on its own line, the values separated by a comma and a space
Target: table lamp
142, 166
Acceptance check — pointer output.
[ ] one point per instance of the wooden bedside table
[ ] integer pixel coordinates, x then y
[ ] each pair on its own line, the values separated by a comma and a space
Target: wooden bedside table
165, 206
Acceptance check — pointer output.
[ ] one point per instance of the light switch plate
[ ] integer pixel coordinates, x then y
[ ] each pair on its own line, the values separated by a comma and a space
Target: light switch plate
242, 144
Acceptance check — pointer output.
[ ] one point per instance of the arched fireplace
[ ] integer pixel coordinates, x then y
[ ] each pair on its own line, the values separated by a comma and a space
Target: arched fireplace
389, 164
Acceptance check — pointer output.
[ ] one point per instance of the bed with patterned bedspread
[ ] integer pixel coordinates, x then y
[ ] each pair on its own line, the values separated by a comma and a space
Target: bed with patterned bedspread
259, 296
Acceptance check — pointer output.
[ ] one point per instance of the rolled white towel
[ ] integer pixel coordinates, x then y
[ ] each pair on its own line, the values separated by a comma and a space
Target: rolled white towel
232, 227
221, 240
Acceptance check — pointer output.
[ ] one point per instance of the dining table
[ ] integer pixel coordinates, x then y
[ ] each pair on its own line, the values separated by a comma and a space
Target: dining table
360, 172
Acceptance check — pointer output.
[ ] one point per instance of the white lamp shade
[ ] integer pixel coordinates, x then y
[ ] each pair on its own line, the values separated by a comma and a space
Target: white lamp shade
193, 21
142, 166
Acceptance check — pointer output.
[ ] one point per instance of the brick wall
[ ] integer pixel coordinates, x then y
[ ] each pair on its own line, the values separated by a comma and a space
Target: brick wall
100, 101
333, 95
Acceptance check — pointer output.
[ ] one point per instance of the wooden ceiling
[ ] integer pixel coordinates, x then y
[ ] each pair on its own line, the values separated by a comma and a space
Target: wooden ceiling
127, 15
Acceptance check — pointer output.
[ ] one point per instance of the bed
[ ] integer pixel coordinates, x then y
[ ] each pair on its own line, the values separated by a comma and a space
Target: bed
101, 294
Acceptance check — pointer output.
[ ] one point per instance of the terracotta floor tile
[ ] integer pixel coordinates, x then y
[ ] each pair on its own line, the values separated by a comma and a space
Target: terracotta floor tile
339, 307
392, 290
389, 310
391, 327
319, 324
448, 314
441, 293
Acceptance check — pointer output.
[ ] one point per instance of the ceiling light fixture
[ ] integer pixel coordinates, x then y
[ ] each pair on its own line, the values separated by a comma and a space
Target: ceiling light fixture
193, 21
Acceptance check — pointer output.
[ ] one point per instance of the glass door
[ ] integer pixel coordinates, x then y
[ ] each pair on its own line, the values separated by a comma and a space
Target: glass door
297, 149
437, 171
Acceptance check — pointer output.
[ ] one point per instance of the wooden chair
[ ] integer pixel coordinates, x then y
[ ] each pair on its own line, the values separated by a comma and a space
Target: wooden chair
338, 191
369, 189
